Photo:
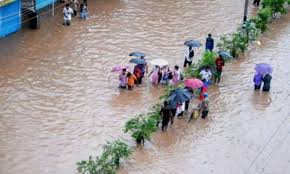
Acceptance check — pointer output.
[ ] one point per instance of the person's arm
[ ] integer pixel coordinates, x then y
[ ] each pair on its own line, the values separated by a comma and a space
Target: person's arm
150, 73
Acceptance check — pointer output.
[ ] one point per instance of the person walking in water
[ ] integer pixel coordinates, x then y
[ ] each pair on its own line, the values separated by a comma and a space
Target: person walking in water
166, 115
131, 81
204, 106
209, 44
123, 79
219, 63
267, 82
188, 56
67, 12
176, 75
256, 3
75, 6
258, 81
84, 11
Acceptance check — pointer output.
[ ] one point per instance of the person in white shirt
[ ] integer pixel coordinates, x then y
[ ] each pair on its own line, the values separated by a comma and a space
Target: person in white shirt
205, 74
188, 56
67, 13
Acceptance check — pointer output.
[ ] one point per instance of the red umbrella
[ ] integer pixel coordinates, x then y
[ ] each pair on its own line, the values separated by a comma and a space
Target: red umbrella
193, 83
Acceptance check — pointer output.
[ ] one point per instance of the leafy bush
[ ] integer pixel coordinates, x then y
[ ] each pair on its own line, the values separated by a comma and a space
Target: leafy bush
277, 6
108, 161
250, 30
141, 127
99, 165
262, 18
116, 150
235, 44
208, 58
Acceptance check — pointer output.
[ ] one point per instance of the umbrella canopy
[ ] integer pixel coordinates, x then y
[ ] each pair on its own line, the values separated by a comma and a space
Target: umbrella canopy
137, 54
178, 96
119, 68
225, 54
159, 62
193, 43
138, 61
263, 68
193, 83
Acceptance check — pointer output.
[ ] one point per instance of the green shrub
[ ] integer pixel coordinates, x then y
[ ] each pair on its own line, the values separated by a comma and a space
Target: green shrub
99, 165
207, 59
108, 161
141, 127
116, 150
277, 6
262, 18
235, 44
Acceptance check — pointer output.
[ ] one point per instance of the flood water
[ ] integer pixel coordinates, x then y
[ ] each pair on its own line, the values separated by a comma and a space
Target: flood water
59, 102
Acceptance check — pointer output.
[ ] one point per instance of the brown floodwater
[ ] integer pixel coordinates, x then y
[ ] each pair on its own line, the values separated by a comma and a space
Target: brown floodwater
59, 102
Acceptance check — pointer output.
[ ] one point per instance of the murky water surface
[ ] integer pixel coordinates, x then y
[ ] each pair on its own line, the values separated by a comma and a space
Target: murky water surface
59, 102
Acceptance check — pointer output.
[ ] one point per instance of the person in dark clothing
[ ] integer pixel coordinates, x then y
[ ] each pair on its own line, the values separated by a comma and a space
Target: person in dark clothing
267, 82
166, 115
187, 102
209, 45
173, 112
256, 3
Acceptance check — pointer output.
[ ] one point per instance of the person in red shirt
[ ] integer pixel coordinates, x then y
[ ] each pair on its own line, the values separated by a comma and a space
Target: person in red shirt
219, 63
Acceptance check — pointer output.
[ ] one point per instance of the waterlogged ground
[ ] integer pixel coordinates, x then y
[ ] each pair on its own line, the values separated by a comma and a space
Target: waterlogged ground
59, 102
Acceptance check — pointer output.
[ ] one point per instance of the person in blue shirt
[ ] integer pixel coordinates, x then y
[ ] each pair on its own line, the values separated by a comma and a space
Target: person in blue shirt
209, 45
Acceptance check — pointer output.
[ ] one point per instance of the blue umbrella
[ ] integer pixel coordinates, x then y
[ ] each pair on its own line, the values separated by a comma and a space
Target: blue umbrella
137, 54
263, 68
178, 96
225, 54
193, 43
138, 61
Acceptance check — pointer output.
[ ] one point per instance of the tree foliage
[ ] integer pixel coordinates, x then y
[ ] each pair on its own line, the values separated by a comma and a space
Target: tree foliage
108, 161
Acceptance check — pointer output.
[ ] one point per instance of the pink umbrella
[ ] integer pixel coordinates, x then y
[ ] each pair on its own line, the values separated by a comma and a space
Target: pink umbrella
193, 83
119, 68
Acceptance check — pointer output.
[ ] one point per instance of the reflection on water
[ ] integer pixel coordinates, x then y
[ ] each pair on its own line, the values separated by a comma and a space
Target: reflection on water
59, 102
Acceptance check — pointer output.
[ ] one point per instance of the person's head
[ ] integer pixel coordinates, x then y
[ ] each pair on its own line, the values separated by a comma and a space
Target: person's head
66, 6
165, 103
124, 70
209, 35
176, 67
207, 69
129, 74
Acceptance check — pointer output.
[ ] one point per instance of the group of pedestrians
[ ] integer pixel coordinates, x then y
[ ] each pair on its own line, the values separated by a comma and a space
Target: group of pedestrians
72, 8
159, 75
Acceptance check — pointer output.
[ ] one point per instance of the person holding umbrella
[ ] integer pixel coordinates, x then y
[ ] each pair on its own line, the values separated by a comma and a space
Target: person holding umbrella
258, 78
267, 82
123, 79
265, 69
219, 63
188, 56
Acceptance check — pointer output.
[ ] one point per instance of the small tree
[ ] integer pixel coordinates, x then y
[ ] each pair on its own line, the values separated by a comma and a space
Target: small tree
262, 18
141, 127
108, 161
277, 6
116, 150
99, 165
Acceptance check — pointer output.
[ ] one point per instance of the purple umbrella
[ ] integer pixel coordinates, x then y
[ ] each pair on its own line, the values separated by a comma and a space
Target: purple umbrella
119, 68
263, 68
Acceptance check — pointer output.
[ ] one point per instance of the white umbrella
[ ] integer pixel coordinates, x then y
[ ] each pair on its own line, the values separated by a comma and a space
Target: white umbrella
159, 62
